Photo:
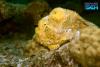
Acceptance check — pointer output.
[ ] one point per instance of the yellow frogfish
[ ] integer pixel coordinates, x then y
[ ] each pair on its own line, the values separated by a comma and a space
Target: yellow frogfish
59, 27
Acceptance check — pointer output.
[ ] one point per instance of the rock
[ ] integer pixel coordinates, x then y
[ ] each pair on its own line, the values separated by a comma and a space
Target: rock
8, 13
36, 10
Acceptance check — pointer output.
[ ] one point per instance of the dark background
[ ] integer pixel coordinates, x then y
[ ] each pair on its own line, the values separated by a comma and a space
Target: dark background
77, 5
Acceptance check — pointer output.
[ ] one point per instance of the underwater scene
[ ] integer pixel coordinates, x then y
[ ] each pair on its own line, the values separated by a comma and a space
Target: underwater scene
49, 33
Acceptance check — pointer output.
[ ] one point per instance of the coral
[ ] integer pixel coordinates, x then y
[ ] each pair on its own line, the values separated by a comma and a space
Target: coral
87, 50
58, 27
40, 56
32, 48
71, 40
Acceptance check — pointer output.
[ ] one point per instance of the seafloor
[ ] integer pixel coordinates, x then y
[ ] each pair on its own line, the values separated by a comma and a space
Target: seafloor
20, 48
